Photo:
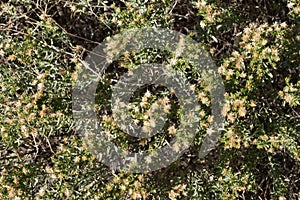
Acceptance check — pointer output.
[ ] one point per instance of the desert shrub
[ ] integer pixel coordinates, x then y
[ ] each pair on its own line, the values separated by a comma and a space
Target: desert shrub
255, 45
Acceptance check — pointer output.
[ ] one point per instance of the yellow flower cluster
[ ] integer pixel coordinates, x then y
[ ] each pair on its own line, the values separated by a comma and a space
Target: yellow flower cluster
209, 11
290, 93
294, 6
129, 185
178, 191
234, 140
235, 107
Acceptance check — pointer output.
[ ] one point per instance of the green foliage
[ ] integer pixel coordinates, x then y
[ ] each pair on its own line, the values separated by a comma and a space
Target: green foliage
255, 46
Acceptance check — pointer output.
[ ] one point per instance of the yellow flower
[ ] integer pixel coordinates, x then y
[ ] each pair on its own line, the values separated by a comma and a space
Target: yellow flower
201, 95
137, 184
252, 103
243, 75
76, 159
145, 116
272, 139
136, 109
172, 130
84, 158
246, 144
256, 37
237, 103
245, 38
242, 111
60, 176
264, 42
11, 57
136, 195
42, 191
48, 170
24, 130
229, 134
148, 94
271, 150
280, 93
109, 187
143, 142
225, 109
288, 98
193, 87
202, 113
235, 54
125, 181
264, 137
144, 99
167, 108
141, 178
165, 101
143, 104
200, 4
209, 119
205, 101
136, 121
173, 195
16, 181
231, 143
116, 179
231, 117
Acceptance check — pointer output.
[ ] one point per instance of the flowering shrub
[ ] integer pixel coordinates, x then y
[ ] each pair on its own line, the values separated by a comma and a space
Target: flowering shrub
255, 46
